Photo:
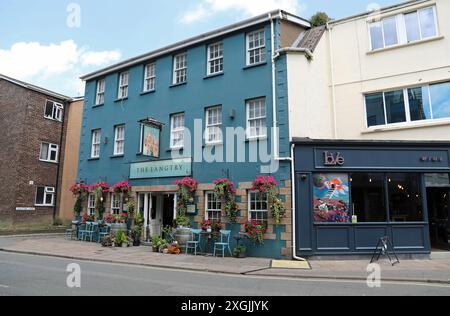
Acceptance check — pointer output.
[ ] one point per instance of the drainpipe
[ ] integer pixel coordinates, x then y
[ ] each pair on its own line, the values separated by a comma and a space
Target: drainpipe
276, 140
333, 83
60, 165
294, 209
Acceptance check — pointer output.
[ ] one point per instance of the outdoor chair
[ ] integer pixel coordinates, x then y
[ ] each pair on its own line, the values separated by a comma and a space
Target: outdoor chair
71, 232
224, 243
82, 231
90, 231
194, 243
104, 232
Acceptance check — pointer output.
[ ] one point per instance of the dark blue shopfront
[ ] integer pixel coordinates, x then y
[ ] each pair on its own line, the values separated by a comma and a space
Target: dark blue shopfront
349, 194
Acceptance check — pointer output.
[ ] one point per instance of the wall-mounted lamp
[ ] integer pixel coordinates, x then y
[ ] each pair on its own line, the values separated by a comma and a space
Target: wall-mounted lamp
105, 141
232, 114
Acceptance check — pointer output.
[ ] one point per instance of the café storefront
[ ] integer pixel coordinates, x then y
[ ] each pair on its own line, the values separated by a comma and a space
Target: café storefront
349, 194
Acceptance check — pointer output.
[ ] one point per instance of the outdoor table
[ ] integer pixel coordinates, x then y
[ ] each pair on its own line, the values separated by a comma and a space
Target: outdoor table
239, 237
209, 236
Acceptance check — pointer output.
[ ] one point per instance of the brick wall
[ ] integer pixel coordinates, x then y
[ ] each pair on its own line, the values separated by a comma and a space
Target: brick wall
25, 109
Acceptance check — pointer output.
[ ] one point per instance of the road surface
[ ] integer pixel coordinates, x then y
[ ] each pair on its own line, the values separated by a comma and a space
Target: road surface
37, 276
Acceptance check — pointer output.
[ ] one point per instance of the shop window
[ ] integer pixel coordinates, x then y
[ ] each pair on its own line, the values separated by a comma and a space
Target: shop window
258, 207
91, 204
331, 198
116, 204
45, 196
440, 100
395, 107
368, 197
213, 207
405, 199
375, 109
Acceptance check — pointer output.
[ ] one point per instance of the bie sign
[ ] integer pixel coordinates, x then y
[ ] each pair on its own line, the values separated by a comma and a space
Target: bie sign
333, 159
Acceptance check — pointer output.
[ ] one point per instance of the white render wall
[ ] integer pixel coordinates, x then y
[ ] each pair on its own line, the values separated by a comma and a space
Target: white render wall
310, 103
358, 71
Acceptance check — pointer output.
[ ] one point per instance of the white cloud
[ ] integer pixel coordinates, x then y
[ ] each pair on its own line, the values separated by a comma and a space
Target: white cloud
58, 65
209, 8
99, 58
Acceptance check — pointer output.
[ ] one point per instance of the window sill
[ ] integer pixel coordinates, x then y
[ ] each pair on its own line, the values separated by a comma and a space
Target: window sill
209, 145
405, 126
50, 162
255, 65
117, 156
98, 105
148, 92
36, 205
178, 85
432, 39
93, 159
121, 100
52, 119
180, 149
220, 74
256, 139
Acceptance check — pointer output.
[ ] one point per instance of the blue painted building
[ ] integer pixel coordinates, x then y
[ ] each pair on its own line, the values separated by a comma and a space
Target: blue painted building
162, 116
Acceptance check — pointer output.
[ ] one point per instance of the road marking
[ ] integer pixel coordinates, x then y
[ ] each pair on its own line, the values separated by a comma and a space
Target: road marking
4, 286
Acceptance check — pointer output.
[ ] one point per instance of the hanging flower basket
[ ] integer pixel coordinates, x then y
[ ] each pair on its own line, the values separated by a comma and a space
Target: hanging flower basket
225, 191
255, 232
269, 186
121, 187
186, 192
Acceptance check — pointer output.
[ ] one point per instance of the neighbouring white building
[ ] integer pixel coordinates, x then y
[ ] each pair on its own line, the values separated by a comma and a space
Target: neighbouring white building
369, 114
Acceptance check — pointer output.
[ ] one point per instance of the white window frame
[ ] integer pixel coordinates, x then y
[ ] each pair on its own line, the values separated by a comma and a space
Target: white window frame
176, 131
149, 77
208, 195
119, 140
57, 111
217, 127
101, 88
48, 191
91, 204
402, 35
116, 204
124, 78
217, 60
407, 108
248, 119
96, 142
260, 48
52, 148
180, 68
251, 211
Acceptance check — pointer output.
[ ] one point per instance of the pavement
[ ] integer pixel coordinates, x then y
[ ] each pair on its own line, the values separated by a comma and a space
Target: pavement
415, 271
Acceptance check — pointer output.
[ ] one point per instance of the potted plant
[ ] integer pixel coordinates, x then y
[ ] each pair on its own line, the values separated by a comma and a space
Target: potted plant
158, 243
120, 239
240, 251
136, 232
206, 225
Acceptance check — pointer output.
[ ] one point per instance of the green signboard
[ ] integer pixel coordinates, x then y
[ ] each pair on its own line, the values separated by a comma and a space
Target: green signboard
161, 169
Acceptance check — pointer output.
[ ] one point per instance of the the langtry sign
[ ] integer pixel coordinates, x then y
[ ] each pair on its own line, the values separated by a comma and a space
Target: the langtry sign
161, 169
